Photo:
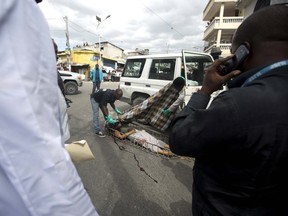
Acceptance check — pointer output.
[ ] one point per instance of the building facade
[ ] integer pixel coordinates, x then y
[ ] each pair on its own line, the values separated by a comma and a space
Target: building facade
83, 58
113, 56
222, 18
138, 51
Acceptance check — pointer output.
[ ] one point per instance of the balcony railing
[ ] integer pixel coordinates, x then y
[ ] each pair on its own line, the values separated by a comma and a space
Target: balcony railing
225, 48
226, 23
214, 5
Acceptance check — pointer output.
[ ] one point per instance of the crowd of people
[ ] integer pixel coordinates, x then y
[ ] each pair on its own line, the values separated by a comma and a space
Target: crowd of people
239, 141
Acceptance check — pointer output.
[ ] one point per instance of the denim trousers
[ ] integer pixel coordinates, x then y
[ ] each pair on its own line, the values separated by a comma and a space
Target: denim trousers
96, 86
95, 110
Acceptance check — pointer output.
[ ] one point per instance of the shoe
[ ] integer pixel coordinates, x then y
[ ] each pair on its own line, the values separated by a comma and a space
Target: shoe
100, 134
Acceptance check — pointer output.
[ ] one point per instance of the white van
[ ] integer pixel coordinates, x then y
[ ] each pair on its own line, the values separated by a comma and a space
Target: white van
144, 75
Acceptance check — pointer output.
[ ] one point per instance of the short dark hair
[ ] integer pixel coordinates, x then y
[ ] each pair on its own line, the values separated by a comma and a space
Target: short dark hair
179, 82
118, 93
267, 24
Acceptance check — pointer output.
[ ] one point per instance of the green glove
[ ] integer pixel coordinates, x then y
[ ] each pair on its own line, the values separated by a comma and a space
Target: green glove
110, 119
118, 111
166, 112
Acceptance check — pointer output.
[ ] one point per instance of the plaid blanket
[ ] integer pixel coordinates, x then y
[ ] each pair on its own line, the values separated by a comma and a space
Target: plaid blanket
151, 108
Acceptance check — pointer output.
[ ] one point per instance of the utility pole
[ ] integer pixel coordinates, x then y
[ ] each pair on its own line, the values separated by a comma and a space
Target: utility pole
67, 41
99, 43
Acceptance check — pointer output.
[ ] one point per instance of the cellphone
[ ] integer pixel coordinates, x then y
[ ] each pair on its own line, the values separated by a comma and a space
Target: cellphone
239, 56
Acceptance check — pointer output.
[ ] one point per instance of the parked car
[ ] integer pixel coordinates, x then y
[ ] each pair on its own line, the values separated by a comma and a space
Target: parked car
71, 82
106, 76
116, 74
107, 73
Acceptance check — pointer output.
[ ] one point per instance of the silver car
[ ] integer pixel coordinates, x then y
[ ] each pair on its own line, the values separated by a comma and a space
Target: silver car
71, 82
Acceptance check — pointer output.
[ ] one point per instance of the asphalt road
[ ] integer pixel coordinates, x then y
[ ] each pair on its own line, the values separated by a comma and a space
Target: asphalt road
114, 180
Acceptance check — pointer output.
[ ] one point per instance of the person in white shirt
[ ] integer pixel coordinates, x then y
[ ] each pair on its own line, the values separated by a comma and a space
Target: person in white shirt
37, 176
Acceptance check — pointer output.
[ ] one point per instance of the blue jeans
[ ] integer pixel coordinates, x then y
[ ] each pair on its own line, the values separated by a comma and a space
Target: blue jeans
96, 86
95, 110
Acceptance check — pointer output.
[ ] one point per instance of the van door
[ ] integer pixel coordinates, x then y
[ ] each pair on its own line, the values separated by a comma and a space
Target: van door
194, 64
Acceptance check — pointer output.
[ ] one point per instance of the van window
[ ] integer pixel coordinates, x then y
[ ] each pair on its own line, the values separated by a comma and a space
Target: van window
133, 68
194, 67
162, 69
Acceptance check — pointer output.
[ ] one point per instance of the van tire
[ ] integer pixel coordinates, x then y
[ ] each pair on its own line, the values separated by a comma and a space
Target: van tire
138, 100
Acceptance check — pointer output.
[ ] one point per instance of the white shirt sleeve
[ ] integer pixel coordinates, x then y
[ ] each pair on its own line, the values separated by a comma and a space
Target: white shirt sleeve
37, 176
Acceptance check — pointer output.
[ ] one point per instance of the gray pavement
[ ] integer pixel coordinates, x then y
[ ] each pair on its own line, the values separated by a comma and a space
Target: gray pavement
114, 180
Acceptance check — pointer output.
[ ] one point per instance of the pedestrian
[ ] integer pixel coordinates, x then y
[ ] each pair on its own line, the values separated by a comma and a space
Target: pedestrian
37, 176
96, 76
240, 142
100, 99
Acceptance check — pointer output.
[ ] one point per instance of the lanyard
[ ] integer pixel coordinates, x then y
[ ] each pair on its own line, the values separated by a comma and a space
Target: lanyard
264, 71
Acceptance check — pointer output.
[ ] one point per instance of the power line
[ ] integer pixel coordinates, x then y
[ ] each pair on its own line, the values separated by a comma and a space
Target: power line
171, 27
91, 38
78, 28
84, 30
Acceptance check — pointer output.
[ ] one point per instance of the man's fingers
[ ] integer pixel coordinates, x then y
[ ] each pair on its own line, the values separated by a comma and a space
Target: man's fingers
232, 74
222, 60
218, 64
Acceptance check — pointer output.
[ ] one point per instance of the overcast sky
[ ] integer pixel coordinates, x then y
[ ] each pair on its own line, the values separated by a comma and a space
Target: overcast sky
161, 26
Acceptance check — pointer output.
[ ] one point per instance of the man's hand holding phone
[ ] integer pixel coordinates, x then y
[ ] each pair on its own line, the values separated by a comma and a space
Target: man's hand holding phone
213, 80
224, 69
239, 57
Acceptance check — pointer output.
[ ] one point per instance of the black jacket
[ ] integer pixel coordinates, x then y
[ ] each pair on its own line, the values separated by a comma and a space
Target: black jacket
240, 146
104, 96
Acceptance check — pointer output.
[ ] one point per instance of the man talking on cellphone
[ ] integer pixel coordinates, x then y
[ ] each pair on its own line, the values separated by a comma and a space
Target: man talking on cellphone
240, 142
